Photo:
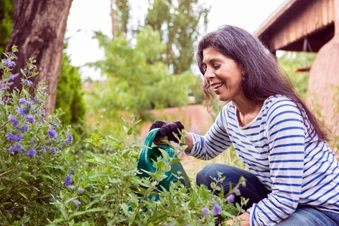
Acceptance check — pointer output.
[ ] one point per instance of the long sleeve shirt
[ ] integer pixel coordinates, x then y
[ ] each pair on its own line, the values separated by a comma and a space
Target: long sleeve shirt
282, 150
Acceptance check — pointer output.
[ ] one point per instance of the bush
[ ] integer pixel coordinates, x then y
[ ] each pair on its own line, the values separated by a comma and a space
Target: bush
32, 146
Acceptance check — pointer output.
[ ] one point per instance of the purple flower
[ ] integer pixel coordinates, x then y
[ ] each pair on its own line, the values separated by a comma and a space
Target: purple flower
13, 120
52, 150
24, 101
29, 83
42, 151
205, 211
23, 128
72, 171
68, 180
19, 147
12, 137
19, 137
52, 134
69, 140
8, 63
22, 111
34, 100
216, 209
30, 119
13, 149
80, 190
231, 198
52, 199
31, 152
12, 76
52, 124
76, 202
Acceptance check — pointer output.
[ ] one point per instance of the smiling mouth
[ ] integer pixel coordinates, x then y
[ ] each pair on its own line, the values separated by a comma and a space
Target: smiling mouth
216, 85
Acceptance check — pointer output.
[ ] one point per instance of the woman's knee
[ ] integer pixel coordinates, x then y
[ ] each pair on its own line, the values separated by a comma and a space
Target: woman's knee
214, 173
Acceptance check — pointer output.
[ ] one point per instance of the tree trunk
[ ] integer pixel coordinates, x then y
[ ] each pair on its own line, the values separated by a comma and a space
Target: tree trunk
38, 31
113, 19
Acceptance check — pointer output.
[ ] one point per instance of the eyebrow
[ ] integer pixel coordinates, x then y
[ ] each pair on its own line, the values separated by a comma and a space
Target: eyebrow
212, 60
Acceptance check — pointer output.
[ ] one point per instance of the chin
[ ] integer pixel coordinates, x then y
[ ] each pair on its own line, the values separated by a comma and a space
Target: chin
223, 98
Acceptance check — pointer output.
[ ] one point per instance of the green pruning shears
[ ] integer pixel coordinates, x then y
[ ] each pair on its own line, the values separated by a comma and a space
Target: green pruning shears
152, 153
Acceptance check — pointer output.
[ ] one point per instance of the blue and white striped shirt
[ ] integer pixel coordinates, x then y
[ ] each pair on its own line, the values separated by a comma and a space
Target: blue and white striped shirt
283, 152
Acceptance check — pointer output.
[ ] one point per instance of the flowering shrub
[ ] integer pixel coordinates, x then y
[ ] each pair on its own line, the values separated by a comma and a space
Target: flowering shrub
32, 149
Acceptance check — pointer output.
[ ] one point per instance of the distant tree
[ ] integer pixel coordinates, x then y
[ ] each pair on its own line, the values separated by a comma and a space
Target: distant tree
137, 81
120, 14
180, 23
7, 8
38, 31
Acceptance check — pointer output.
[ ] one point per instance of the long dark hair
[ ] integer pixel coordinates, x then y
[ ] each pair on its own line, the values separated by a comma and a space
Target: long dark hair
263, 76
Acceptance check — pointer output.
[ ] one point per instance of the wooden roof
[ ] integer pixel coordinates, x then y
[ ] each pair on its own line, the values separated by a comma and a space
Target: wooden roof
298, 25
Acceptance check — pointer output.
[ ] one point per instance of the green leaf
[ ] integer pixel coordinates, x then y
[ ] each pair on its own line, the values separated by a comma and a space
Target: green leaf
89, 211
23, 195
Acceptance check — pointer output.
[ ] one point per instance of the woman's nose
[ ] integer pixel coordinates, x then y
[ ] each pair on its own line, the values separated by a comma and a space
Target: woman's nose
208, 73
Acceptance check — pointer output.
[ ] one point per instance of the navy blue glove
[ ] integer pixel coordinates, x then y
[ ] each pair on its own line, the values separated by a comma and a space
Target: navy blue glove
167, 129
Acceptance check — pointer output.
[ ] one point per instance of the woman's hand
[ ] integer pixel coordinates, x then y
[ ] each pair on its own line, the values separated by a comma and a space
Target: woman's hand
244, 220
167, 130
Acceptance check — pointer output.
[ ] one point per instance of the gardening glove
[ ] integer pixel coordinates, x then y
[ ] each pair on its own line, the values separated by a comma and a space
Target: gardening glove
166, 130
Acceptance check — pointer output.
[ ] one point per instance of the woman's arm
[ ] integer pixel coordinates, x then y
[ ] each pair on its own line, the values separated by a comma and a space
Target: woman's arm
245, 220
188, 142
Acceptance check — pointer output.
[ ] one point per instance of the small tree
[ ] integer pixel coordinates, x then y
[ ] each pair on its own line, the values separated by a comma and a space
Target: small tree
136, 80
180, 23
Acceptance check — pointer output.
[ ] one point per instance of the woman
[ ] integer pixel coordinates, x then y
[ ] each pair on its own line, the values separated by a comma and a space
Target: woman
293, 176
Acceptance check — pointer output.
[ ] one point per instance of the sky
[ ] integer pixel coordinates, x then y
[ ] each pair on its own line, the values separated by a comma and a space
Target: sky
87, 16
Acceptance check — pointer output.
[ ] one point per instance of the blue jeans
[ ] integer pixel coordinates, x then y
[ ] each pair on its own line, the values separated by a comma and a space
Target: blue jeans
255, 191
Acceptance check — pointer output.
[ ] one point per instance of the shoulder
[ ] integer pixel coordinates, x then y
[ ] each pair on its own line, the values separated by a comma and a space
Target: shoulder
227, 109
278, 103
226, 113
282, 107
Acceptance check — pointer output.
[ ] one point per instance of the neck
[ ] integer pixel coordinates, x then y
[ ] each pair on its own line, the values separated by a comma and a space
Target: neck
247, 106
247, 110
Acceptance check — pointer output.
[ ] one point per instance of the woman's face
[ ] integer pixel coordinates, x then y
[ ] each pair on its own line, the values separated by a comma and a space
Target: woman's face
223, 74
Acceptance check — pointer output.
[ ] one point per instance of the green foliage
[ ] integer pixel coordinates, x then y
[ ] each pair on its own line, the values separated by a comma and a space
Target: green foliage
196, 90
136, 81
180, 24
290, 61
69, 98
107, 191
7, 8
43, 183
32, 150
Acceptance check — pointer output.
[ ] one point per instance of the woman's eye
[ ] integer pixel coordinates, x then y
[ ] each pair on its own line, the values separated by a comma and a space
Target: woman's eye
216, 66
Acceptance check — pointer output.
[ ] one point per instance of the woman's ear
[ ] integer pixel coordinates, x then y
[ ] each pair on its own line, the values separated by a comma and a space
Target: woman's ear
243, 73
